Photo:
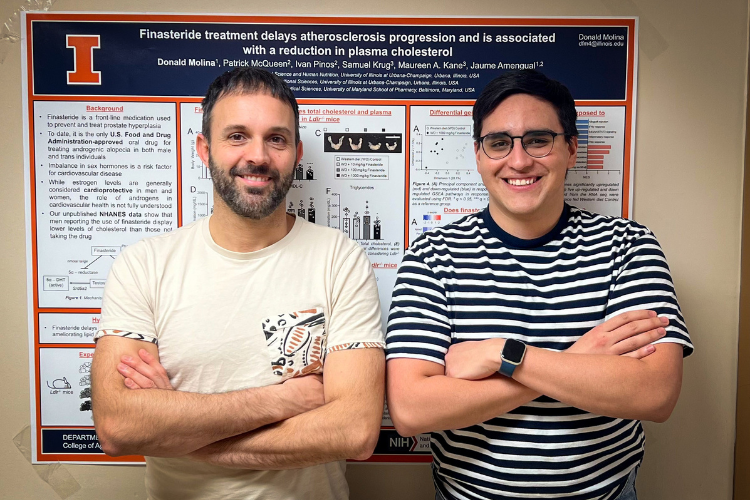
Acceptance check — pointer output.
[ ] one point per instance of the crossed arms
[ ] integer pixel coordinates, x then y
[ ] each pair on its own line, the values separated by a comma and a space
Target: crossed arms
302, 422
612, 370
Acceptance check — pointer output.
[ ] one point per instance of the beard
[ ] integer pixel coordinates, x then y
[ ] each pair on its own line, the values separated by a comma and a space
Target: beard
248, 201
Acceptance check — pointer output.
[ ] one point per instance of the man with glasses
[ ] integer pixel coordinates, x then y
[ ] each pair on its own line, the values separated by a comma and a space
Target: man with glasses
531, 338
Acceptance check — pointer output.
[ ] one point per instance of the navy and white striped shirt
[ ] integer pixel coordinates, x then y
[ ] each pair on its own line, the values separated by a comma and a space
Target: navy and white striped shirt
471, 280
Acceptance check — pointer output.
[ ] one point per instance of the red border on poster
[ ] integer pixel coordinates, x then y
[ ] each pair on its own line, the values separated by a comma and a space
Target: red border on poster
30, 98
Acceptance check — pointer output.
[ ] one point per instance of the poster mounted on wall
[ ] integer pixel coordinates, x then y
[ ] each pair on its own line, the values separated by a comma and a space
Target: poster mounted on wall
112, 112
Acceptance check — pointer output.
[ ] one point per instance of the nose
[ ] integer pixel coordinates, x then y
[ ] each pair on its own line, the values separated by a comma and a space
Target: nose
255, 152
518, 159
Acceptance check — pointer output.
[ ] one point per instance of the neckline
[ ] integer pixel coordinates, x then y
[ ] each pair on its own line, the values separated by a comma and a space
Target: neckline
515, 242
257, 254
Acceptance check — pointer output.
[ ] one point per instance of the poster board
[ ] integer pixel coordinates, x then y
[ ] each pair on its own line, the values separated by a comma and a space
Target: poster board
112, 110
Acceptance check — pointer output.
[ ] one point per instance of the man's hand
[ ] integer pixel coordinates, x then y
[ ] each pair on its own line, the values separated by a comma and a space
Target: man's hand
627, 334
474, 360
145, 372
306, 391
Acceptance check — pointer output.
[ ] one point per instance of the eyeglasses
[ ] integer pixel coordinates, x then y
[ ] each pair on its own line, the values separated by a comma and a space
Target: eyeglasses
536, 143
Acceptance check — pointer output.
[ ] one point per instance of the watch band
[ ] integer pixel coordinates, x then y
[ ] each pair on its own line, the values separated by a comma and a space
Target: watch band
507, 369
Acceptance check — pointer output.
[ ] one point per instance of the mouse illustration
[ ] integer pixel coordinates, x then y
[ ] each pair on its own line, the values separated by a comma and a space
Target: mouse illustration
60, 383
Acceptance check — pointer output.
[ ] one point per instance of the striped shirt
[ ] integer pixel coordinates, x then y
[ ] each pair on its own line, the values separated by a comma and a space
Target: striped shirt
470, 280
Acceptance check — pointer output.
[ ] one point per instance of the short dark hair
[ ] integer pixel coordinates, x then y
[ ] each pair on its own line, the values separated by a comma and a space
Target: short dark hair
531, 82
247, 81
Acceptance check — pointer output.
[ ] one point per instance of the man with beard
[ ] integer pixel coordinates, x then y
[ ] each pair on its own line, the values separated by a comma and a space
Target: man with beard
214, 338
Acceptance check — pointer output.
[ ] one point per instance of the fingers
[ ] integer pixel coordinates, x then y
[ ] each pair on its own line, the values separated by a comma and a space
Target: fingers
306, 392
313, 379
642, 352
130, 384
625, 318
636, 342
160, 378
638, 327
134, 379
145, 371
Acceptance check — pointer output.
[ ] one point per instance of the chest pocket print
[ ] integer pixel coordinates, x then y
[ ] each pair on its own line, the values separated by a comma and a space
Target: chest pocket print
296, 342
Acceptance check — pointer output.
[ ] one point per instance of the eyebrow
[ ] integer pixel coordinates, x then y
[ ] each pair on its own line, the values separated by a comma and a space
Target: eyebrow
241, 128
525, 132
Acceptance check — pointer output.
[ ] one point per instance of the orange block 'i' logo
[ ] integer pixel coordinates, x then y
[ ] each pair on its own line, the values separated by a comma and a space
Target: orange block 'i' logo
83, 60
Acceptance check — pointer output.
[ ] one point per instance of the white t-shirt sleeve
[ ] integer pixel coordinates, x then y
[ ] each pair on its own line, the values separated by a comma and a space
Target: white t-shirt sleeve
127, 303
354, 318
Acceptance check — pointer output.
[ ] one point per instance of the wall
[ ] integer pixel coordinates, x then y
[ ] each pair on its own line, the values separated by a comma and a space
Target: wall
688, 189
742, 448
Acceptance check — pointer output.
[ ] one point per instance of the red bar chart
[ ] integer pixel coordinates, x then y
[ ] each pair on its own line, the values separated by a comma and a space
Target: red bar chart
596, 180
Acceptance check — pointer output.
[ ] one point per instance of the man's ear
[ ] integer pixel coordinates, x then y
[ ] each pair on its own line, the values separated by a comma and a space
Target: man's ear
202, 147
477, 152
299, 152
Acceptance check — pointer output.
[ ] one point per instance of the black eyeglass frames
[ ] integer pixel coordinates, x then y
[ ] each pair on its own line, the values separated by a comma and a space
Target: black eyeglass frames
536, 143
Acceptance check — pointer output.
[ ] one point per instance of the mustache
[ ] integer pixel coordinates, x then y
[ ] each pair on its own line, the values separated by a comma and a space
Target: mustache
264, 170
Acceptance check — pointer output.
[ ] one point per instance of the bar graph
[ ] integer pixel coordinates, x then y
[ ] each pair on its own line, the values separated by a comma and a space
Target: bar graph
302, 212
592, 150
300, 174
596, 180
361, 227
595, 157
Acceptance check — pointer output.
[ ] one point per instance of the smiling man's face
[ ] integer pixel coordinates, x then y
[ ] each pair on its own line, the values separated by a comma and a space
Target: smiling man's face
252, 153
526, 193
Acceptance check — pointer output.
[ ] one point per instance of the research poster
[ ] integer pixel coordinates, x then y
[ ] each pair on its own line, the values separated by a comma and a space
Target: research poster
112, 112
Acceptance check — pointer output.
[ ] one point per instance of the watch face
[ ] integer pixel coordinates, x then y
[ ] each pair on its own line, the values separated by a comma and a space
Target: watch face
513, 350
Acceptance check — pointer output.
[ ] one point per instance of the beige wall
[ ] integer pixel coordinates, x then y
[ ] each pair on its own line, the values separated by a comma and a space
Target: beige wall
688, 189
742, 450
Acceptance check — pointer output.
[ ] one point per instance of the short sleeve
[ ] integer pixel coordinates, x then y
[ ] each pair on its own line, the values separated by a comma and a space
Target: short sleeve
644, 282
127, 304
418, 322
354, 318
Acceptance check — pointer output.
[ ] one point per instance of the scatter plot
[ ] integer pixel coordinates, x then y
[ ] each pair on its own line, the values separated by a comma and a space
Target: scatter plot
447, 147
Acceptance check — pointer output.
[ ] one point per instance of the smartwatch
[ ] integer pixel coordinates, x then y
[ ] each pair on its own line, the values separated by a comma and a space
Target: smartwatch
512, 356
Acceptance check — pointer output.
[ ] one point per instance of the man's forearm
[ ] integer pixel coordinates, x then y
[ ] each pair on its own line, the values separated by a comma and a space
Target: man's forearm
420, 403
319, 436
347, 426
616, 386
171, 423
614, 369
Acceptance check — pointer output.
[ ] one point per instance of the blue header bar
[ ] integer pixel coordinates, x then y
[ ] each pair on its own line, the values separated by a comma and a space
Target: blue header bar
425, 61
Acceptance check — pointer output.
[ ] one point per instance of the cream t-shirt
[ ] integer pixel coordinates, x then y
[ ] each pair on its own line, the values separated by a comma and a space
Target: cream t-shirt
225, 321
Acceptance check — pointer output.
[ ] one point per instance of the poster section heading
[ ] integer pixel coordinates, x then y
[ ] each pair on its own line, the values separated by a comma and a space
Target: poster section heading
324, 61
